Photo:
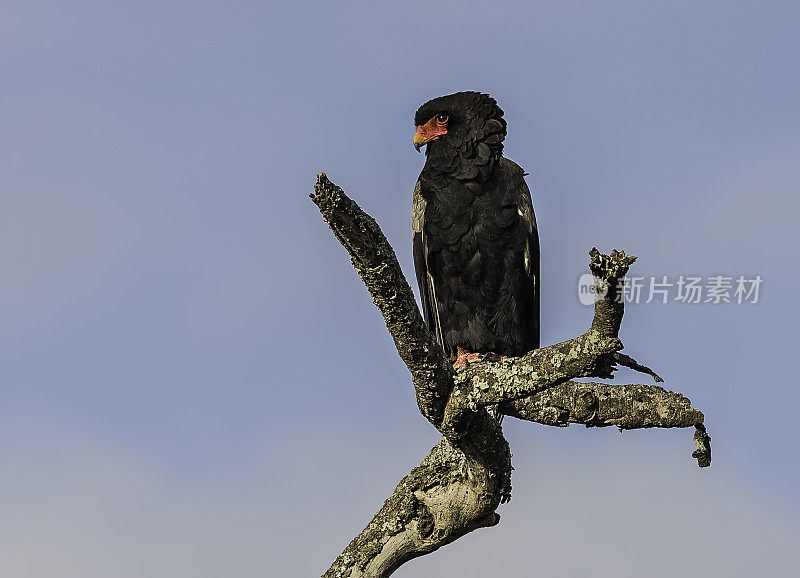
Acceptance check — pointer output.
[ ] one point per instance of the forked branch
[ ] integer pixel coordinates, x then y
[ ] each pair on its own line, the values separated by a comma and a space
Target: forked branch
461, 482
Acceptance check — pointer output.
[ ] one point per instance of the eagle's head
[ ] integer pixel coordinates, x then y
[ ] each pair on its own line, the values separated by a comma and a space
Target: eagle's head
463, 132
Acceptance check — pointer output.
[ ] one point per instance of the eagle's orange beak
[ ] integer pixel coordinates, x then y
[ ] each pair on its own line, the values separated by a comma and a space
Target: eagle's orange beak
419, 139
429, 131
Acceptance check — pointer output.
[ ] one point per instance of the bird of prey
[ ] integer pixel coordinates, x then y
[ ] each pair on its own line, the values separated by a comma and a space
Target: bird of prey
475, 242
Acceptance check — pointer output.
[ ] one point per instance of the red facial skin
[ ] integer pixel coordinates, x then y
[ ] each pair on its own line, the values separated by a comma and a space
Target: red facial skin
429, 131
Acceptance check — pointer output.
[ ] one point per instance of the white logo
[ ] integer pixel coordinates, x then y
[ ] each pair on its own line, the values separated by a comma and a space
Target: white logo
590, 291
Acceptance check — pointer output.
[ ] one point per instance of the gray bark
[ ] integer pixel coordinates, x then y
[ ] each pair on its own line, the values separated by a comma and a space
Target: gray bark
458, 486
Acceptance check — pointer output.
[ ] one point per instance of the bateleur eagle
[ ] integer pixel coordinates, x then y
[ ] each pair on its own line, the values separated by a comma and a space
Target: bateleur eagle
475, 242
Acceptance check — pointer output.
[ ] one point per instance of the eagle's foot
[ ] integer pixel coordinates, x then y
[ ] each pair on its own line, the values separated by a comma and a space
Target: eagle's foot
463, 358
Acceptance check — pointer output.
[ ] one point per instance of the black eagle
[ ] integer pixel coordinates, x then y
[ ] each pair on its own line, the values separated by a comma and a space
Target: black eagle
475, 242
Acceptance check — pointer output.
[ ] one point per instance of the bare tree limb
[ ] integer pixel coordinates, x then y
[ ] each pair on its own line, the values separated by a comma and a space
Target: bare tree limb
376, 263
604, 404
453, 500
703, 442
419, 517
461, 482
624, 406
630, 362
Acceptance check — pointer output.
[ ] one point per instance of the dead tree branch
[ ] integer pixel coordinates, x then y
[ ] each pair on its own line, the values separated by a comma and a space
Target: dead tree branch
458, 486
603, 404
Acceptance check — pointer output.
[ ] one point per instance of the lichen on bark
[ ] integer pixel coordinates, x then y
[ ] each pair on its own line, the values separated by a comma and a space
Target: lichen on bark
460, 483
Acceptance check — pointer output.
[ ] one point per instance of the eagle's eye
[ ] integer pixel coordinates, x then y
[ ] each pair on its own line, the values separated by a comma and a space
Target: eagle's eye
442, 118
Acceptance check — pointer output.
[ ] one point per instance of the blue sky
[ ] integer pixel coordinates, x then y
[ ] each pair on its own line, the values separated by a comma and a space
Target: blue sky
193, 379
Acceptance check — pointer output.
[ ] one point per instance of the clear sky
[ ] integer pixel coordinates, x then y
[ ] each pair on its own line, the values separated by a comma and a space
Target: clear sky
194, 382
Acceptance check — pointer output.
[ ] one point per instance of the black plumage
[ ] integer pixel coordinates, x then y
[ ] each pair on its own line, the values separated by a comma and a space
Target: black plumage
475, 242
